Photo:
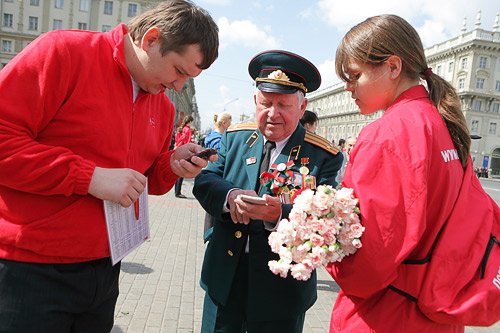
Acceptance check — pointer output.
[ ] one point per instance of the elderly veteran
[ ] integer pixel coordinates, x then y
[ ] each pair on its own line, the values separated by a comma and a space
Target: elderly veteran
242, 293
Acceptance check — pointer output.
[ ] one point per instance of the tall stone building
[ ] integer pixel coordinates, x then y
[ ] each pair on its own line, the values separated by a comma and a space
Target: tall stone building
24, 20
470, 62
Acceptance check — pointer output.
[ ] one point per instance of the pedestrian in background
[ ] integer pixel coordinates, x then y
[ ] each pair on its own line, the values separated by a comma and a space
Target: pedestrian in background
406, 189
84, 118
346, 148
310, 121
222, 121
183, 135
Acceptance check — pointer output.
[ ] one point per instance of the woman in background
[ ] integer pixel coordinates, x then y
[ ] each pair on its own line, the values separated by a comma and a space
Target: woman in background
221, 123
182, 136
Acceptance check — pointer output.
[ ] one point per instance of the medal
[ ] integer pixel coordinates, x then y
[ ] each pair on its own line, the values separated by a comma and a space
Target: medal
303, 169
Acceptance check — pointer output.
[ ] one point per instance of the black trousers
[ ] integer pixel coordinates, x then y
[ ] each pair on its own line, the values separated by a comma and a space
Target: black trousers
232, 317
76, 298
178, 186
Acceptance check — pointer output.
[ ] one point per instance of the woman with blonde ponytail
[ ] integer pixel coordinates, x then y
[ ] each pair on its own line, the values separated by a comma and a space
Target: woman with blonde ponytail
221, 123
406, 168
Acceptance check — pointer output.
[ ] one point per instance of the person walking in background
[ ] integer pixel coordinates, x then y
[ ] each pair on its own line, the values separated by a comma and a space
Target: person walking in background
346, 148
222, 121
242, 294
84, 118
406, 189
310, 121
183, 135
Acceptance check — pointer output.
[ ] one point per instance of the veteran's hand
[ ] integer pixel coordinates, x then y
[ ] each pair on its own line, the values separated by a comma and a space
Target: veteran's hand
270, 212
243, 211
238, 215
185, 169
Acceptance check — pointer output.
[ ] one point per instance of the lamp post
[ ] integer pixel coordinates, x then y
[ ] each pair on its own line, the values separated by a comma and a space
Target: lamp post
231, 101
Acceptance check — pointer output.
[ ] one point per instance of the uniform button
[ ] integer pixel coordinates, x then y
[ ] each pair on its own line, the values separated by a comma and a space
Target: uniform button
237, 234
230, 253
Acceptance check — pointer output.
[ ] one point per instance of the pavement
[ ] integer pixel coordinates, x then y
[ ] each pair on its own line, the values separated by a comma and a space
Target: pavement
159, 281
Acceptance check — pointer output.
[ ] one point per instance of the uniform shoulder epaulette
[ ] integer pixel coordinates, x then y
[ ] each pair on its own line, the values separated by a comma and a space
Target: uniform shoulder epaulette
243, 127
321, 142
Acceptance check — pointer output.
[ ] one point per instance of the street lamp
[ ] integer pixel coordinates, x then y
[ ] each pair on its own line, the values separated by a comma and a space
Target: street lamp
233, 100
475, 137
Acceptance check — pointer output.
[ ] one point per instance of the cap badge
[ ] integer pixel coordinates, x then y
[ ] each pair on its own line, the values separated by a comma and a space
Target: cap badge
278, 75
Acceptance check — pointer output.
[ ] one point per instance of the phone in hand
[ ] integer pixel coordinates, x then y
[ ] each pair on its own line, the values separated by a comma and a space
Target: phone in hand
252, 199
205, 154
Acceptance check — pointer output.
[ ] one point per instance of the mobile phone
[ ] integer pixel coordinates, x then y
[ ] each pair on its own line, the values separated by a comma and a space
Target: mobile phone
252, 199
205, 154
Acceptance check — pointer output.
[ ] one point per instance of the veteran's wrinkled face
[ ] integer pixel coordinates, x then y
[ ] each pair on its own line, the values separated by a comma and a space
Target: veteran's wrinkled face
278, 114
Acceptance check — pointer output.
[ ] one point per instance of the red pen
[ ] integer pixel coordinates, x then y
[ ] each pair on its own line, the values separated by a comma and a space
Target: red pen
136, 209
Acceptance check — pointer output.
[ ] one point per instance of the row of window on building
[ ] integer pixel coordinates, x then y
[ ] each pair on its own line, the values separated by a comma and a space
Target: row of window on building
84, 6
474, 129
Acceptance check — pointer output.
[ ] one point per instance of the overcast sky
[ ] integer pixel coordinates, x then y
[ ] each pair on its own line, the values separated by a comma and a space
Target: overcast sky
313, 30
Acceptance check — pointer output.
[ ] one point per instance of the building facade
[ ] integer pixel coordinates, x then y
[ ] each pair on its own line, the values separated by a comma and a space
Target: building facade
470, 62
24, 20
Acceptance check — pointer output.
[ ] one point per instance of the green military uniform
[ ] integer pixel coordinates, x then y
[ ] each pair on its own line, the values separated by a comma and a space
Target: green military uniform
244, 295
271, 297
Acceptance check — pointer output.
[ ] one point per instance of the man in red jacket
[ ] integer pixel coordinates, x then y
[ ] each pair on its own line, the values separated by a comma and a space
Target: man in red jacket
84, 118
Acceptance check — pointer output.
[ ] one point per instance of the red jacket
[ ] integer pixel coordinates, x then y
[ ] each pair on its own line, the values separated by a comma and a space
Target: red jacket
66, 107
183, 137
406, 174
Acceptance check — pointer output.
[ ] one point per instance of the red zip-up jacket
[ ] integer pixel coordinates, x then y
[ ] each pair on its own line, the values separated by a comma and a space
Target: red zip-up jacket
66, 106
405, 171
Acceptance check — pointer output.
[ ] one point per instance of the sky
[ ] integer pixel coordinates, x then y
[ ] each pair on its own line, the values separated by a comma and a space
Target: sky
312, 29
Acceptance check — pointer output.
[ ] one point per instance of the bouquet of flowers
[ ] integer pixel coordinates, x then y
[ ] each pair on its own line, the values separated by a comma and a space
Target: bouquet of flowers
323, 227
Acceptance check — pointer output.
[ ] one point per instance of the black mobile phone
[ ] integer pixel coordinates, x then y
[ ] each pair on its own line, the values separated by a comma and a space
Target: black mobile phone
205, 154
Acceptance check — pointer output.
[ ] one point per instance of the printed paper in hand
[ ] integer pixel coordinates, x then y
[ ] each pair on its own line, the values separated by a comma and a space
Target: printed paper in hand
127, 227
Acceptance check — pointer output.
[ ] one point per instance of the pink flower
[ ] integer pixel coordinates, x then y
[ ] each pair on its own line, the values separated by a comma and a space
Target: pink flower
279, 268
323, 227
301, 272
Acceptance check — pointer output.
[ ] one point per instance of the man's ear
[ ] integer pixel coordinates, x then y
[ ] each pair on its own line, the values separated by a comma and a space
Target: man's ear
395, 66
151, 36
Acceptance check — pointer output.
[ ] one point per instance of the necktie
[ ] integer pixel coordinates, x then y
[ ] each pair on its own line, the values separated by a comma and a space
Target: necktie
264, 165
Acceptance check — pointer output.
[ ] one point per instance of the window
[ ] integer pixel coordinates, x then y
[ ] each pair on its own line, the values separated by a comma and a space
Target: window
84, 5
35, 2
132, 9
57, 24
461, 84
482, 62
497, 86
7, 20
106, 27
479, 83
7, 46
108, 7
463, 63
82, 25
496, 108
438, 70
450, 67
475, 126
476, 105
33, 23
59, 4
493, 128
